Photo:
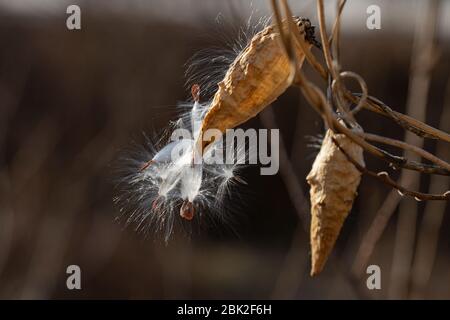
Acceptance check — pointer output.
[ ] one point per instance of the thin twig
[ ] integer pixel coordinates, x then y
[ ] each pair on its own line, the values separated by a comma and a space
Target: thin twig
408, 123
385, 178
428, 235
288, 40
406, 146
300, 41
336, 31
364, 89
422, 62
315, 96
324, 39
386, 210
342, 96
285, 40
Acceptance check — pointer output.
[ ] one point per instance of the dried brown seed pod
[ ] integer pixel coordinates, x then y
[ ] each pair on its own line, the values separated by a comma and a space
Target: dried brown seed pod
334, 181
255, 79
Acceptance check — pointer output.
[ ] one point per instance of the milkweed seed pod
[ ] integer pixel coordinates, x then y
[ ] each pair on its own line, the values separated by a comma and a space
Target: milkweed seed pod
258, 75
333, 180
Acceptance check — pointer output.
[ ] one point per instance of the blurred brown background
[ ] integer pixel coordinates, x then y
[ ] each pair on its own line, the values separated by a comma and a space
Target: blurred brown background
70, 101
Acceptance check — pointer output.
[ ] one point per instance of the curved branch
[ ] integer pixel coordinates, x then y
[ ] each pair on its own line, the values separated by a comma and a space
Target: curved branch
385, 178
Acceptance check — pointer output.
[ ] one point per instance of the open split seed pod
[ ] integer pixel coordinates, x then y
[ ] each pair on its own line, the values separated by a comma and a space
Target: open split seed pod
255, 79
334, 181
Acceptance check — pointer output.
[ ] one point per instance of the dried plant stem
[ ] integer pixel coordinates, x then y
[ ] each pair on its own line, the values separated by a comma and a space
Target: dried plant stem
336, 31
408, 123
419, 85
428, 236
421, 66
427, 243
384, 177
285, 38
364, 89
313, 95
325, 41
406, 146
316, 98
309, 56
413, 124
288, 41
333, 65
300, 41
426, 249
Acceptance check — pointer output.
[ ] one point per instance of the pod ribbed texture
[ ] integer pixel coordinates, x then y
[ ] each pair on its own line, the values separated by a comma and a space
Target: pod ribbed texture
333, 181
254, 80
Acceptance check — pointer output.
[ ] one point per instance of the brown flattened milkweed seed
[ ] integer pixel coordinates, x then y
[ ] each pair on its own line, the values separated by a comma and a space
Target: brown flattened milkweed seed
187, 210
333, 180
255, 79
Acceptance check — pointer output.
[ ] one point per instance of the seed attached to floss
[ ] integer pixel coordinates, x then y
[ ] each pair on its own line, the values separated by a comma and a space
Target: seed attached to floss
164, 155
195, 92
255, 79
334, 181
146, 165
187, 210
